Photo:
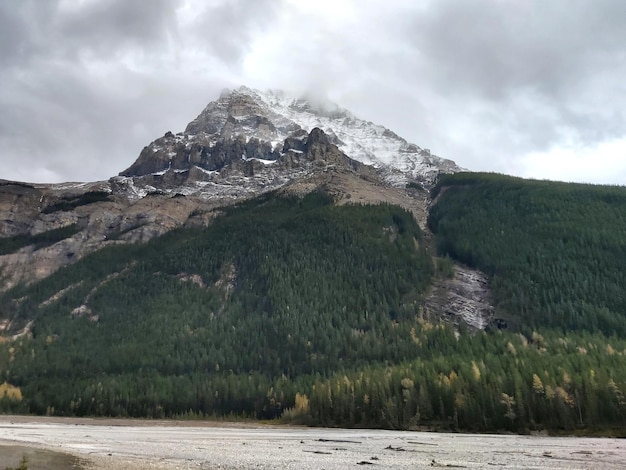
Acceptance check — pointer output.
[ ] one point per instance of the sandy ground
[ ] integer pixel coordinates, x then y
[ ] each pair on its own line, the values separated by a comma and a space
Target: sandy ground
137, 445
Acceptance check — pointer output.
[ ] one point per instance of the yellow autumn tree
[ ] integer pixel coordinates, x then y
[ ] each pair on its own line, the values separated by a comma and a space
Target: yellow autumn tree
300, 408
538, 385
10, 391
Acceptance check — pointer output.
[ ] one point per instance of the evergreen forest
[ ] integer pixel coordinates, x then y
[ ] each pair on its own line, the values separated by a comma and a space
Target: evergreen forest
297, 309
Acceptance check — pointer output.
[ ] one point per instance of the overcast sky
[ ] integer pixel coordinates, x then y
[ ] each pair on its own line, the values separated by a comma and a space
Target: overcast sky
534, 88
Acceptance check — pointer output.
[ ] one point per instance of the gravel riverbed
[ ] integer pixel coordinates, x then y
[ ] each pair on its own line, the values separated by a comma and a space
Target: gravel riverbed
138, 445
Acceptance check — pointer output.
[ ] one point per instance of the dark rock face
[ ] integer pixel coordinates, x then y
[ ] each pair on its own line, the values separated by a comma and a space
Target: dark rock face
295, 142
465, 298
19, 204
318, 148
273, 130
237, 112
175, 160
182, 154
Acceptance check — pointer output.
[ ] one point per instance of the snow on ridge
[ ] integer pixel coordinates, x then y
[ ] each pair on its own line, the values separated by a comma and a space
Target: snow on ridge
361, 140
265, 162
208, 172
128, 183
246, 112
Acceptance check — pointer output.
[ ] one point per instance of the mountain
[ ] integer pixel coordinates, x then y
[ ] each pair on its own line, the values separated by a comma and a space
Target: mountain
283, 259
244, 144
261, 134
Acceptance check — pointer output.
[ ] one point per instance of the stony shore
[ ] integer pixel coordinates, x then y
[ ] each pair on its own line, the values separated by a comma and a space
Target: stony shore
142, 444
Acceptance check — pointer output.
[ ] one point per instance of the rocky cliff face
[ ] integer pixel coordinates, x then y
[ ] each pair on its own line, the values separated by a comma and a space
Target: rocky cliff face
212, 166
273, 116
262, 134
113, 216
243, 144
462, 299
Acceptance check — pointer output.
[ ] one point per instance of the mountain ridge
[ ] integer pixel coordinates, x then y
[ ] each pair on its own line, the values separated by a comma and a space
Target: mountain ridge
271, 128
252, 266
243, 144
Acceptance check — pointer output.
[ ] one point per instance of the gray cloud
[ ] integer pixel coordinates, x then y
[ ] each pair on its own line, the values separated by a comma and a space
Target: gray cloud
497, 48
227, 28
87, 84
107, 25
495, 85
12, 35
541, 66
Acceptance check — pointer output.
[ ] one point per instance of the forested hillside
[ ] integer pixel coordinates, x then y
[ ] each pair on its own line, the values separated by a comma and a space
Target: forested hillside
301, 309
274, 288
555, 252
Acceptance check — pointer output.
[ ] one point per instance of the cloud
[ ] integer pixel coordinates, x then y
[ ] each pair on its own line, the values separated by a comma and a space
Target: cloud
496, 48
225, 28
525, 73
602, 163
88, 83
106, 28
481, 82
12, 36
495, 85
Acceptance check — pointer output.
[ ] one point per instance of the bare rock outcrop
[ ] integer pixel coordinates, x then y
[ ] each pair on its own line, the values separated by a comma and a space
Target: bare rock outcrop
19, 205
463, 299
120, 217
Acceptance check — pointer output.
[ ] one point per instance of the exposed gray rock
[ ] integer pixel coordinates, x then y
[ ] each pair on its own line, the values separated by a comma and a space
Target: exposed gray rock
465, 298
125, 217
19, 206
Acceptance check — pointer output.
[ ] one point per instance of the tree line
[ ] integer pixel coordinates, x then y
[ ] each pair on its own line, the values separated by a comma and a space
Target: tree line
295, 308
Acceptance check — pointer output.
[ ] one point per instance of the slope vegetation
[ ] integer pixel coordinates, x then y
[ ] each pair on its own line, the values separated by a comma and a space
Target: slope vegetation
295, 307
276, 287
555, 252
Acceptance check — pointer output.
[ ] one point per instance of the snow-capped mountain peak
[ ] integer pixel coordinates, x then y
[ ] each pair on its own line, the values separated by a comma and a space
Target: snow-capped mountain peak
249, 140
361, 140
245, 143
